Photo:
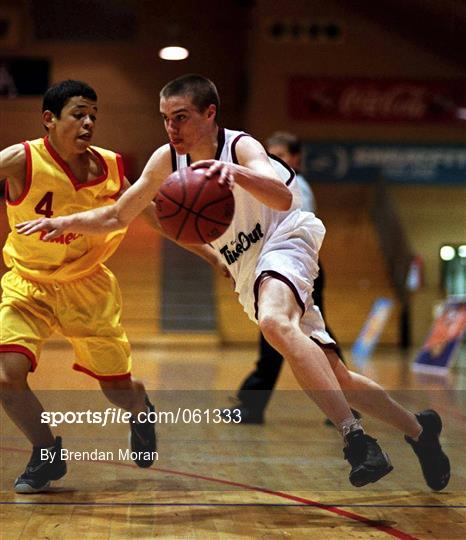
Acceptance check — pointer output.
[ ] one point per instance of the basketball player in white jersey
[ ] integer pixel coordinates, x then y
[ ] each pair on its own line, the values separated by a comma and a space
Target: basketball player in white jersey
271, 252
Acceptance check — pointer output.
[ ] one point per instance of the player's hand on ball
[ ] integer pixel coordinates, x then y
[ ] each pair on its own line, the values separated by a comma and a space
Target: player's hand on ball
53, 226
193, 208
225, 171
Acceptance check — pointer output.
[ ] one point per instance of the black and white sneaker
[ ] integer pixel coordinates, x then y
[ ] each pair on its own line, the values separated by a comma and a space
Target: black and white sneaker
368, 462
40, 472
434, 462
142, 439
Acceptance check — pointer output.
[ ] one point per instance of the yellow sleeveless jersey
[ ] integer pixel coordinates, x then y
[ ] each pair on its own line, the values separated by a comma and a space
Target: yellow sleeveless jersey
52, 190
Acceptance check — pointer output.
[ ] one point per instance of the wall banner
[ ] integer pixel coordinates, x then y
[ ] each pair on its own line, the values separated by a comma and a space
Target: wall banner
444, 339
333, 99
370, 333
399, 163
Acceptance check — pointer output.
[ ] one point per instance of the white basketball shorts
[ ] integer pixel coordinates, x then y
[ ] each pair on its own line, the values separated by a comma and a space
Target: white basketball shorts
290, 254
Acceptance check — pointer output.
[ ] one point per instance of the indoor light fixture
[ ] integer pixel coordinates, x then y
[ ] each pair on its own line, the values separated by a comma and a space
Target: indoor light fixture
172, 37
447, 253
173, 52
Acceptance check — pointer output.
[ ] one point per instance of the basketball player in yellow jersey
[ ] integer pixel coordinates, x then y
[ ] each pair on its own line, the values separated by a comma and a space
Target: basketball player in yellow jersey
63, 285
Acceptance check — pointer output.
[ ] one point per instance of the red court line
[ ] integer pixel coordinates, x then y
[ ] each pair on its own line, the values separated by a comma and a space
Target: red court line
391, 531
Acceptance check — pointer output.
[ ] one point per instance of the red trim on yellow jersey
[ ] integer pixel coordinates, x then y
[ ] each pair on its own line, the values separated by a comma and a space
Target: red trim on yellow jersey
21, 350
66, 168
121, 173
120, 377
28, 179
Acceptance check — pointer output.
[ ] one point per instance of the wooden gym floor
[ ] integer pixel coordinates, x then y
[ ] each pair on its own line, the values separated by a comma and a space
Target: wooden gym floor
285, 479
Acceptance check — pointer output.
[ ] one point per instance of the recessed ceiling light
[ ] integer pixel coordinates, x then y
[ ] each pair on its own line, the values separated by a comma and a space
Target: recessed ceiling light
173, 52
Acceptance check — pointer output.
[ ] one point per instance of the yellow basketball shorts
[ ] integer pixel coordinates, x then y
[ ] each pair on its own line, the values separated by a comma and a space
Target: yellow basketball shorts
85, 311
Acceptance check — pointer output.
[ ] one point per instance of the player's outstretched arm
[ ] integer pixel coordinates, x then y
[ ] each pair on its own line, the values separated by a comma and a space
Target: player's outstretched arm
108, 218
254, 173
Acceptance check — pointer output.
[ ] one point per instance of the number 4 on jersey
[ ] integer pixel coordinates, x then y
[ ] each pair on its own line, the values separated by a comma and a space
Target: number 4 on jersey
44, 206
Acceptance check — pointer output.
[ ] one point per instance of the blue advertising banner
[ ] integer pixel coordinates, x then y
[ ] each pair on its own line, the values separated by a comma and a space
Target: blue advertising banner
370, 334
399, 163
444, 338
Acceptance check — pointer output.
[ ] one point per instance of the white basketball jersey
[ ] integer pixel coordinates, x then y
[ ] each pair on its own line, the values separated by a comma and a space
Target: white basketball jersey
253, 222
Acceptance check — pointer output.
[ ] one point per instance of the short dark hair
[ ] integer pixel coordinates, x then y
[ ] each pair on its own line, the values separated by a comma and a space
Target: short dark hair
290, 141
202, 91
58, 95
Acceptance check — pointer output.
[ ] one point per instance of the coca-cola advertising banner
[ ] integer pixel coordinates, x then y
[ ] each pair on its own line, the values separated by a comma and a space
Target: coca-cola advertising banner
376, 100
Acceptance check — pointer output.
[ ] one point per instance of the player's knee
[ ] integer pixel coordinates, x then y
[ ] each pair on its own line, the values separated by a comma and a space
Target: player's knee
123, 393
13, 373
274, 327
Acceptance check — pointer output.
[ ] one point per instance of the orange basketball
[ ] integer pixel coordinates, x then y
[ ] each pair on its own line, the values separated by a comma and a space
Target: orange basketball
194, 209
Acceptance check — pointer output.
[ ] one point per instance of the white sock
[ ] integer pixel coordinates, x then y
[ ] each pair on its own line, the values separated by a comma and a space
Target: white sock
348, 425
